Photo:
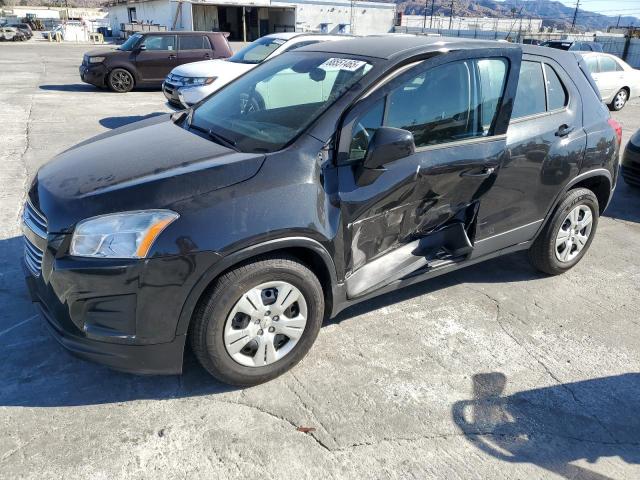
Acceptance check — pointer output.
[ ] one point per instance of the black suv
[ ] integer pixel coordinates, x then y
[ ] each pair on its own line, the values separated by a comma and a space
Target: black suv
145, 59
322, 178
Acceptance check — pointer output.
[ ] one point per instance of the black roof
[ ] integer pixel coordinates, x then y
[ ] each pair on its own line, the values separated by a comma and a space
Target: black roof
390, 46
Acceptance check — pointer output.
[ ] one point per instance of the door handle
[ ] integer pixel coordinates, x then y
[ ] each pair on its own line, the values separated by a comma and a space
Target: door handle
172, 57
564, 130
483, 172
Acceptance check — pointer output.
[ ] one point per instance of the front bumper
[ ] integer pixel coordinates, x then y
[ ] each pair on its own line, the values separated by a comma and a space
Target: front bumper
171, 92
121, 313
93, 74
630, 167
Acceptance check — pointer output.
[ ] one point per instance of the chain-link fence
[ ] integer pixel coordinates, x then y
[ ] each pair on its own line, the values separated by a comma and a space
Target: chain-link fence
627, 49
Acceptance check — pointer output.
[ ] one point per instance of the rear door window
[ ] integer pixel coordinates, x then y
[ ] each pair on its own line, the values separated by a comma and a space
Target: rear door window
608, 64
530, 95
191, 42
556, 91
592, 63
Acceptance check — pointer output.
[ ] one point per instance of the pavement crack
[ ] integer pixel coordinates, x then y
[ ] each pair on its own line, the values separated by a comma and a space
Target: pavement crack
544, 365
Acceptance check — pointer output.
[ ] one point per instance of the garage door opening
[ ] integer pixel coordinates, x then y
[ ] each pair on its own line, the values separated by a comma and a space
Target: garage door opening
243, 23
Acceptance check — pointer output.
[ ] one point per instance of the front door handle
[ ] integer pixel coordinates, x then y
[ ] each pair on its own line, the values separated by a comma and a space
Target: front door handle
483, 172
564, 130
172, 57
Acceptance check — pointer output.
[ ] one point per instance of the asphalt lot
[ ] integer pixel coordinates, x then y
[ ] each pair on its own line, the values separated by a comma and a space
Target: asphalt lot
492, 372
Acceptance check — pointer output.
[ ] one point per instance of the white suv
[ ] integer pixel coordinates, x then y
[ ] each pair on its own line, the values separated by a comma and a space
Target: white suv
189, 83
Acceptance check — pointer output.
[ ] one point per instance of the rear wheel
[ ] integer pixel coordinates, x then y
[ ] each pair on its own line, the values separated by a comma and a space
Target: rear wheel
258, 321
568, 235
620, 100
120, 80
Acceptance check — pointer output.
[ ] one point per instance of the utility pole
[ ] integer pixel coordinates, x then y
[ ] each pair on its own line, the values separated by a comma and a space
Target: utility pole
618, 22
451, 17
424, 21
432, 7
575, 15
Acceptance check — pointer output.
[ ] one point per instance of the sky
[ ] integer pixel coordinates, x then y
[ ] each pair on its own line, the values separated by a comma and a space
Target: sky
608, 7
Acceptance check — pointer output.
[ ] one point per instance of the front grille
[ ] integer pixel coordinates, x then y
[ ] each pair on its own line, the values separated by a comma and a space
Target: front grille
32, 257
35, 220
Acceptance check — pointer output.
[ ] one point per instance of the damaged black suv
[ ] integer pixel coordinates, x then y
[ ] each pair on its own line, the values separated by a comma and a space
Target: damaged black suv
331, 174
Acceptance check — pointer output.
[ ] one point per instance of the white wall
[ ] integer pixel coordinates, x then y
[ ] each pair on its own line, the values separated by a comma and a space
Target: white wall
368, 17
156, 11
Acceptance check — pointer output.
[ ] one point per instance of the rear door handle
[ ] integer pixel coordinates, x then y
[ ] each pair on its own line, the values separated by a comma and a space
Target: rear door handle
172, 57
564, 130
483, 172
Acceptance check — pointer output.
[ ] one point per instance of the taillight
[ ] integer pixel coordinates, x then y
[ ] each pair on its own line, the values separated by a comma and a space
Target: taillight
618, 128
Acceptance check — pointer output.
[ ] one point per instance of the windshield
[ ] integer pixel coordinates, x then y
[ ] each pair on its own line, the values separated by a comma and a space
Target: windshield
257, 51
269, 106
131, 41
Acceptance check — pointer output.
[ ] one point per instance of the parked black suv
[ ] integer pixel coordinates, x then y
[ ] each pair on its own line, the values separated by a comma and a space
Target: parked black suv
371, 164
145, 59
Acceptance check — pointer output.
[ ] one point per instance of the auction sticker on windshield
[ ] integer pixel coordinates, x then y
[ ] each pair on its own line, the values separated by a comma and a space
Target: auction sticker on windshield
343, 64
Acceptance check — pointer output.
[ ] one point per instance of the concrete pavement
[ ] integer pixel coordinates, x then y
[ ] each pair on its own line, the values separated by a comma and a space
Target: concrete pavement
492, 372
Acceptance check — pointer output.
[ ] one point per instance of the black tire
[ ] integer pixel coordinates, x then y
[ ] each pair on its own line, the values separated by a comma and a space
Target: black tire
207, 327
542, 253
120, 80
617, 106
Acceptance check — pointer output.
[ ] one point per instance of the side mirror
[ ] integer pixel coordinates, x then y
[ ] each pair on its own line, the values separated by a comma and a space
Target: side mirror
387, 145
141, 48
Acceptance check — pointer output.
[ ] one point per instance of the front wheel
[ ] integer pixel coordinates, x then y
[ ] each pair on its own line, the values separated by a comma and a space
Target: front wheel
120, 80
620, 100
258, 321
568, 234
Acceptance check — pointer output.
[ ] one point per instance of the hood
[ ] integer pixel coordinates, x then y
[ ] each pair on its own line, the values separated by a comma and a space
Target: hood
212, 68
101, 52
149, 164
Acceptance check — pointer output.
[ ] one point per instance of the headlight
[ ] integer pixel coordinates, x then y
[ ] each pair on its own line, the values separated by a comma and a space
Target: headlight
120, 235
197, 81
96, 59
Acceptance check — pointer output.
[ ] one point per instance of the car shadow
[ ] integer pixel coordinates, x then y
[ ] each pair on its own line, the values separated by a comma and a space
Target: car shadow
73, 87
554, 427
116, 122
625, 204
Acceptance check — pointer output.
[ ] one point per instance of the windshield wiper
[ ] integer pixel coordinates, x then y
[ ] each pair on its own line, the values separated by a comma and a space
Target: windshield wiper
227, 142
216, 137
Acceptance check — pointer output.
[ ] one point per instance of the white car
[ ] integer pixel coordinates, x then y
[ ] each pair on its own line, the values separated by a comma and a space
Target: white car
191, 82
616, 80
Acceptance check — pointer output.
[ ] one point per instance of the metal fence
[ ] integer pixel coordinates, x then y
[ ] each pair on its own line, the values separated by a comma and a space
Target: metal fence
627, 49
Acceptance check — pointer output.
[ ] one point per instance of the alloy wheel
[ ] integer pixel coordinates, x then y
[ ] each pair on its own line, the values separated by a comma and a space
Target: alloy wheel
574, 233
265, 324
620, 100
121, 81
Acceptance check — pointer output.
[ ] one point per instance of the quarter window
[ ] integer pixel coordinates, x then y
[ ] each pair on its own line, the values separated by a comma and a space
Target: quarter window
191, 42
530, 96
557, 94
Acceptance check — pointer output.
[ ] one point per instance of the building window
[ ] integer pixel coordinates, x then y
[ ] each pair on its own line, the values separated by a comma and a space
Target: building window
132, 15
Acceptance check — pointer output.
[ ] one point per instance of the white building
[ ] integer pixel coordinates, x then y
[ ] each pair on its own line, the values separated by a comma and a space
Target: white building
473, 23
251, 19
